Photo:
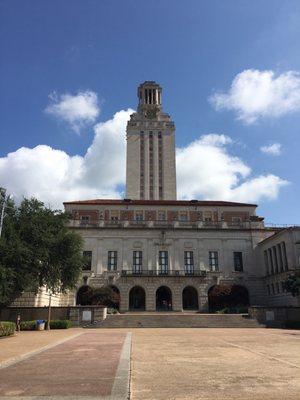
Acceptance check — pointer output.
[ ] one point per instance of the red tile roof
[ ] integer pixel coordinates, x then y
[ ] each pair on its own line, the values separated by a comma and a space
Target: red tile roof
114, 202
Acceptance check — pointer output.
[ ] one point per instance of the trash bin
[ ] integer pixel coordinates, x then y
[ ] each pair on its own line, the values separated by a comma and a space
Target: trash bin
40, 325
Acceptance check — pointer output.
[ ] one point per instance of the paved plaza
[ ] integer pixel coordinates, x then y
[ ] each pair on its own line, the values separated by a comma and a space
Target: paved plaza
165, 364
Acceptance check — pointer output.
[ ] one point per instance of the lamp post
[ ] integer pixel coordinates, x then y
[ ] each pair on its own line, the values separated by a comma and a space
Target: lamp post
49, 311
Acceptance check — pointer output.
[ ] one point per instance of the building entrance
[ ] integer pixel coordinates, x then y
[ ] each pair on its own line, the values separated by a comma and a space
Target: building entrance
190, 298
137, 299
163, 299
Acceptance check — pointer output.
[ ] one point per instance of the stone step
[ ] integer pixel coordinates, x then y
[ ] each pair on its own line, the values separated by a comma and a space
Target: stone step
169, 320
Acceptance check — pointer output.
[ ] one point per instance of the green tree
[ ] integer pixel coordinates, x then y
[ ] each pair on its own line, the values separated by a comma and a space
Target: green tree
292, 285
37, 249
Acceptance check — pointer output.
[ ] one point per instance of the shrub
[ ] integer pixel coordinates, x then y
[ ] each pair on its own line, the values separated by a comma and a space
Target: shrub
7, 328
112, 311
28, 325
60, 324
292, 324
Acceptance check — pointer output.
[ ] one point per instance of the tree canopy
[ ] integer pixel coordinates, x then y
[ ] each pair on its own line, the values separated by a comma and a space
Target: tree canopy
37, 249
292, 284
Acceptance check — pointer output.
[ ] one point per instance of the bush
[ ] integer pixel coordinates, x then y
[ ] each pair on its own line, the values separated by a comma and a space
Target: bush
60, 324
292, 324
7, 328
28, 325
112, 311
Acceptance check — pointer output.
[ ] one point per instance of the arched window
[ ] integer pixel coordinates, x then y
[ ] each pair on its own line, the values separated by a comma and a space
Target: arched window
163, 299
137, 299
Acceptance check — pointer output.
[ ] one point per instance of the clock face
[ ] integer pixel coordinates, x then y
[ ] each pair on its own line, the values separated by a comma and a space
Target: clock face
151, 113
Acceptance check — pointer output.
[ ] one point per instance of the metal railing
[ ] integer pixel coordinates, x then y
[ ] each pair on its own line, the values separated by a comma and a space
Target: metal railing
162, 272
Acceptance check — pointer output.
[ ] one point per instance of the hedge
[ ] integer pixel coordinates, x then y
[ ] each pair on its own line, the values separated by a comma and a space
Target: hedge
7, 328
54, 324
28, 325
60, 324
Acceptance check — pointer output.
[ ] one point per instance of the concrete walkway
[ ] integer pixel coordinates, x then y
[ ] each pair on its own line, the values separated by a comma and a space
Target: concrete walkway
215, 364
90, 365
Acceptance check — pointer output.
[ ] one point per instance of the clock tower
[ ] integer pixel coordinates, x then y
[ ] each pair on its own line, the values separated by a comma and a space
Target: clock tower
150, 163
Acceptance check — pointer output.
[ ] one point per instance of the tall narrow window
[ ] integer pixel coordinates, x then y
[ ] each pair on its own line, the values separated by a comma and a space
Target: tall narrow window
285, 260
142, 165
112, 261
271, 261
189, 262
151, 168
163, 262
87, 260
275, 259
137, 261
280, 259
238, 261
213, 261
266, 262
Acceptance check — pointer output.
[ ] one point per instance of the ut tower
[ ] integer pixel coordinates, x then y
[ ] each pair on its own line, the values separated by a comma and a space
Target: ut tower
150, 164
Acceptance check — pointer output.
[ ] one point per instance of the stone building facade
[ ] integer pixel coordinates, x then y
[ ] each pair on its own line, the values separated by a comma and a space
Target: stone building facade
159, 253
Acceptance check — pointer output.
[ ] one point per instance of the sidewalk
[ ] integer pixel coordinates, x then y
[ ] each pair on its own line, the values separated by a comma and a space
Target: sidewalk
23, 343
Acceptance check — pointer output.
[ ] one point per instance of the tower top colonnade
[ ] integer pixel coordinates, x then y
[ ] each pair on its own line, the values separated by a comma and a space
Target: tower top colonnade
150, 163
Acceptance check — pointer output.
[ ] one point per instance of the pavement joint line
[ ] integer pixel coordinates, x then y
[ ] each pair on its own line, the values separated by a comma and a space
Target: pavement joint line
261, 354
121, 386
17, 359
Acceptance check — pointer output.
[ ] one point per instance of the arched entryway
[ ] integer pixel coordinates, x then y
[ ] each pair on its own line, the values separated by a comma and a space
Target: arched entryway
190, 298
137, 299
83, 297
116, 298
163, 299
230, 298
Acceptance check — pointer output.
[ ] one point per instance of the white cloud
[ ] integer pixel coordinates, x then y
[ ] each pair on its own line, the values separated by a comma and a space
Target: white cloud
258, 94
53, 176
205, 169
78, 110
273, 149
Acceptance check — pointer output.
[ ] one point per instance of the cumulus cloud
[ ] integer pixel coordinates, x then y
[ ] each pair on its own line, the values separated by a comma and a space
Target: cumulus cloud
273, 149
255, 94
77, 110
206, 169
53, 176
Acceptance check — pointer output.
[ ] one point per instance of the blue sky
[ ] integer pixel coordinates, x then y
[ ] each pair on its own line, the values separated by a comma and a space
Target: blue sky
194, 49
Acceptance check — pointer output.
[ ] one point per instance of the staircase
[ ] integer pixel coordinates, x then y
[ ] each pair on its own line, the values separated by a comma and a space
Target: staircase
176, 320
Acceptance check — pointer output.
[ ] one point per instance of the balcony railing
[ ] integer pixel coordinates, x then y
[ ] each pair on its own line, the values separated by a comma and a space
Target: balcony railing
162, 272
77, 223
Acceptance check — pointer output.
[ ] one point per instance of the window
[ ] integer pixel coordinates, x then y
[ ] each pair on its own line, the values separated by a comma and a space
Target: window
189, 262
271, 261
183, 216
280, 260
268, 290
238, 261
161, 215
114, 215
85, 219
112, 261
87, 260
236, 220
213, 261
277, 287
139, 216
207, 216
137, 261
273, 288
266, 262
163, 262
282, 287
275, 259
285, 261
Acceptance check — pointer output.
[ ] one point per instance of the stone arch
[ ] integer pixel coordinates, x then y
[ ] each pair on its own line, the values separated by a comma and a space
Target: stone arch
190, 298
231, 297
163, 297
82, 295
137, 298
